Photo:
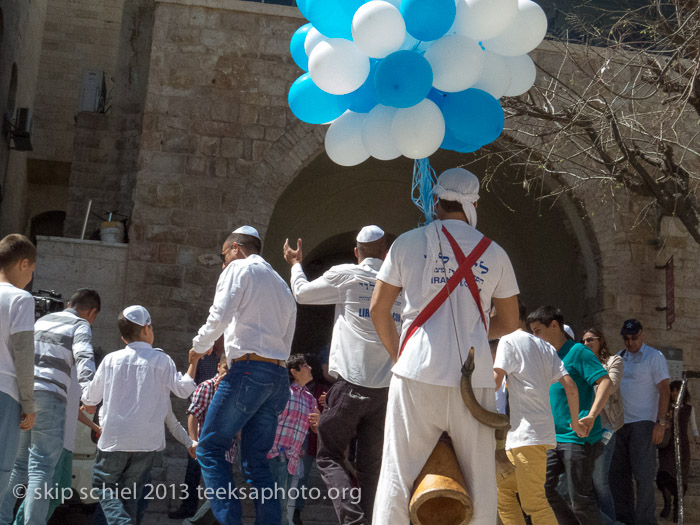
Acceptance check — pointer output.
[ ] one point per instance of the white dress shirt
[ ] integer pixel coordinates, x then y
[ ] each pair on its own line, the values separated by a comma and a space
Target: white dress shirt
357, 354
135, 385
253, 308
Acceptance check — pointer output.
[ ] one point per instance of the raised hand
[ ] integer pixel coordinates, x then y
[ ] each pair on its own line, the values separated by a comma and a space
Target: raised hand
290, 255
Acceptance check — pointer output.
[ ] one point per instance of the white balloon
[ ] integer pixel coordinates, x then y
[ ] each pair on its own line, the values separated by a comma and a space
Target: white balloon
418, 130
377, 136
378, 29
456, 61
344, 139
495, 76
523, 34
337, 66
523, 74
482, 19
313, 37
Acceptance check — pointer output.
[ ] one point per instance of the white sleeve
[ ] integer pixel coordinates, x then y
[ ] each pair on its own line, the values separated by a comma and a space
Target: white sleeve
175, 428
226, 300
506, 358
94, 391
180, 385
318, 291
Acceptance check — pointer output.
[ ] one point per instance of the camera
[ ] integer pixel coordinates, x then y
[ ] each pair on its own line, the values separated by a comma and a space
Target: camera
46, 302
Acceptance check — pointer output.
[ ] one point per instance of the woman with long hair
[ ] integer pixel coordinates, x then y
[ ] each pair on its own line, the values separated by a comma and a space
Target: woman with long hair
612, 418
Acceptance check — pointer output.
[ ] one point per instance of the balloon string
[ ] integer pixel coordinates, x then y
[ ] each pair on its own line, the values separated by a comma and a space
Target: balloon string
424, 179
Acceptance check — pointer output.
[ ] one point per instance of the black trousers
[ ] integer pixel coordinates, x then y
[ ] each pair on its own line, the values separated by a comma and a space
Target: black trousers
352, 411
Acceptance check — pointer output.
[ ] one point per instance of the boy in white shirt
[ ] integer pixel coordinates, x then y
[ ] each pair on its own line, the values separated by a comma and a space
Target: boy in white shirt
532, 366
17, 261
135, 385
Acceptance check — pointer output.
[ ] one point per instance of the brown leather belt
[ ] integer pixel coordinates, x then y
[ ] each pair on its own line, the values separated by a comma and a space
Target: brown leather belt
256, 357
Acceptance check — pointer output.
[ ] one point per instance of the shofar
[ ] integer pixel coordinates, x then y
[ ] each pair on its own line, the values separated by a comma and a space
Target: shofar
440, 494
499, 422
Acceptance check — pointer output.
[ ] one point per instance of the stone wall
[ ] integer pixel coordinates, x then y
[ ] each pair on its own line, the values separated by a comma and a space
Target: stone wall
64, 265
21, 37
215, 106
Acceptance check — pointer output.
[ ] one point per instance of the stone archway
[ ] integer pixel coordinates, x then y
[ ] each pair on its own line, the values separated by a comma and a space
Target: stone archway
551, 247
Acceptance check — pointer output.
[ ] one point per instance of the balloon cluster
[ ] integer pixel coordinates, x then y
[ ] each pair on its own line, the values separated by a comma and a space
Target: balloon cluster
406, 77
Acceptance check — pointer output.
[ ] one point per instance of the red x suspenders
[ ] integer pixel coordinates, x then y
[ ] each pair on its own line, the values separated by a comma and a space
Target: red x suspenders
464, 271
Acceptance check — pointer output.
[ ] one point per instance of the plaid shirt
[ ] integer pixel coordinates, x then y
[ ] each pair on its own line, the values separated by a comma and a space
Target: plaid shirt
292, 425
199, 406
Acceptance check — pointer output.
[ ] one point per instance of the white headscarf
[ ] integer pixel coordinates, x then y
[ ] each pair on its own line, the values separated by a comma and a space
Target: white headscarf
460, 185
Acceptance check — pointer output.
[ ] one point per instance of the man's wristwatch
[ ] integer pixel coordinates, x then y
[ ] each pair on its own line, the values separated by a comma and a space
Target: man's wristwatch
662, 422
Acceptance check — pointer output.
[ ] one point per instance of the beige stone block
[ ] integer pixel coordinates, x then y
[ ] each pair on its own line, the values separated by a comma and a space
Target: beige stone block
210, 146
231, 147
628, 304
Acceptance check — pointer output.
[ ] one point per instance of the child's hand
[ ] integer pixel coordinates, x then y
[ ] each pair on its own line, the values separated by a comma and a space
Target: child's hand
195, 356
322, 400
88, 409
26, 421
314, 418
192, 451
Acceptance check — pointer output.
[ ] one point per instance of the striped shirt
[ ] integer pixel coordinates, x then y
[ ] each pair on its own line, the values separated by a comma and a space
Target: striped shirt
62, 340
292, 425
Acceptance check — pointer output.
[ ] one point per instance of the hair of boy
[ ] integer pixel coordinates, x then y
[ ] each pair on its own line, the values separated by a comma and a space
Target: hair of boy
522, 310
451, 206
129, 331
375, 249
545, 315
295, 362
250, 244
15, 248
85, 299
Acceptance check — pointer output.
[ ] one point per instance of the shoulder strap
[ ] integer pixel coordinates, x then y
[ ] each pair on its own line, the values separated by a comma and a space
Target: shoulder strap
464, 271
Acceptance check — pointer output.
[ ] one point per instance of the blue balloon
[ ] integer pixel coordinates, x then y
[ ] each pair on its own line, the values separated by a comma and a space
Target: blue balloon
296, 46
333, 18
311, 104
403, 79
473, 116
301, 4
365, 97
451, 142
428, 19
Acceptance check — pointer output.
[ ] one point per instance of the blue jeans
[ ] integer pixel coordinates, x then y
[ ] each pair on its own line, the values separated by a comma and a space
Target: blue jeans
10, 413
576, 462
112, 475
19, 477
634, 457
308, 461
44, 452
249, 398
601, 484
283, 479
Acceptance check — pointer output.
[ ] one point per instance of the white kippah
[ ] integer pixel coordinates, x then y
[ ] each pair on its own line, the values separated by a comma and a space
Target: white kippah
460, 185
569, 331
248, 230
370, 234
137, 314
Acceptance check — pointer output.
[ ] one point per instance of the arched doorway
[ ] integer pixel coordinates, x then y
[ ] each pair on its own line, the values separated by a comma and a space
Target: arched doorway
326, 205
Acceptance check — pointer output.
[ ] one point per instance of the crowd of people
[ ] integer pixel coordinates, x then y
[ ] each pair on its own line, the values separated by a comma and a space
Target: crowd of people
585, 421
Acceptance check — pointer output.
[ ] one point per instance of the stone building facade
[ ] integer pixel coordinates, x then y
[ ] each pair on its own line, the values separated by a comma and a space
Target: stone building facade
198, 139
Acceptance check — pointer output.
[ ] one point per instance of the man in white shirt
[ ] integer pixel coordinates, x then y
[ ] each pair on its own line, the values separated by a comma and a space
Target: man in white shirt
424, 394
645, 396
532, 366
255, 311
356, 403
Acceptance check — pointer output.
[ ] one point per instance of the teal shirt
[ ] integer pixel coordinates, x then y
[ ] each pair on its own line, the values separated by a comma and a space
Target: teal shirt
585, 369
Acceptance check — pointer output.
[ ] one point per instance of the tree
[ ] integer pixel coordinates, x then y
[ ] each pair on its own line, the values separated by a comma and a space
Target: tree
617, 103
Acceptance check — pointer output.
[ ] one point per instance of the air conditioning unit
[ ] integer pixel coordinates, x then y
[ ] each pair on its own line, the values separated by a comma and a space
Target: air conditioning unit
21, 131
93, 91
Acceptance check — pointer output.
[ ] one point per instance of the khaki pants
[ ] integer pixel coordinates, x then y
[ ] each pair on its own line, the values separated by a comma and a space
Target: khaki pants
528, 482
